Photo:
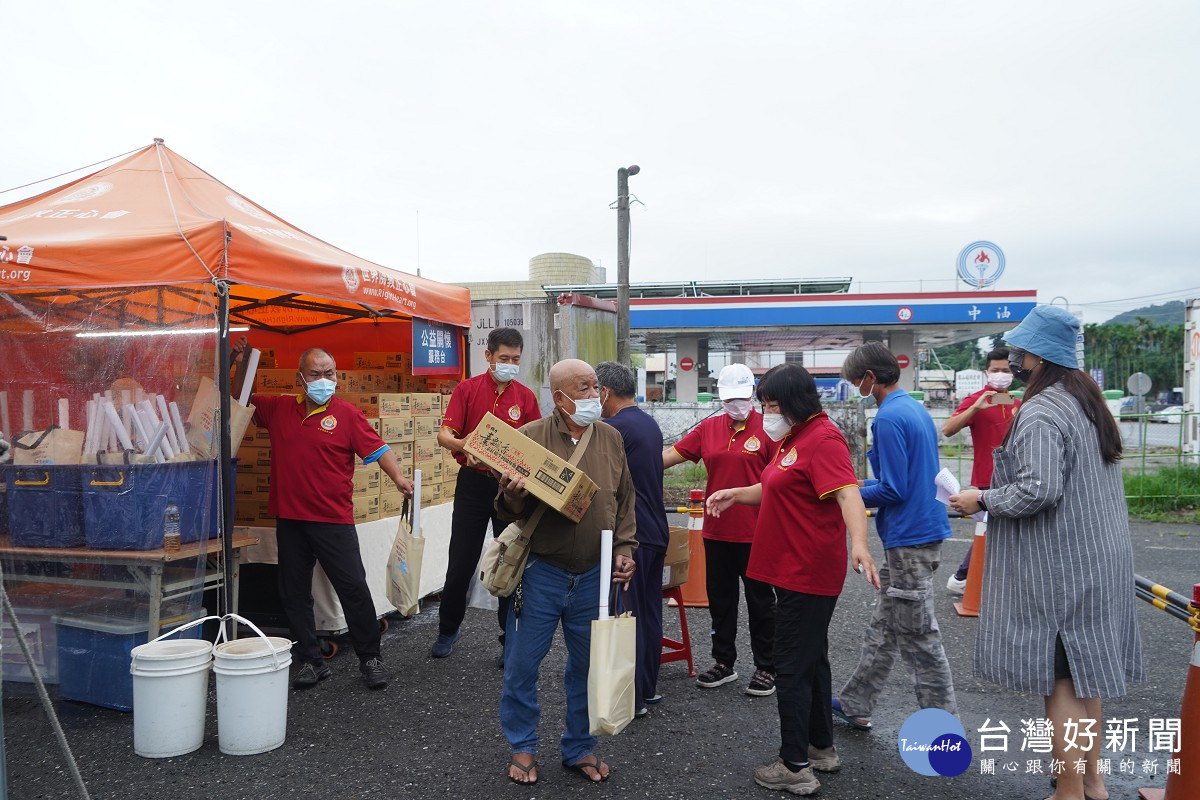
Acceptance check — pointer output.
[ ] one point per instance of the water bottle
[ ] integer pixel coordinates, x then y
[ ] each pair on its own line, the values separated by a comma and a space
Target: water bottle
171, 537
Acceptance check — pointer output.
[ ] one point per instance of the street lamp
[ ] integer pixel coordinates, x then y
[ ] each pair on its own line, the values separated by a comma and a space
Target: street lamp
623, 261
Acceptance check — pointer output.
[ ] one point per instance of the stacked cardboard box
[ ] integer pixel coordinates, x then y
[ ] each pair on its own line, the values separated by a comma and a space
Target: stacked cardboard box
253, 483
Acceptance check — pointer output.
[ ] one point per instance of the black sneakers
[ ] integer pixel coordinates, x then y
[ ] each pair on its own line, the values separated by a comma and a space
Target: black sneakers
718, 675
373, 673
310, 674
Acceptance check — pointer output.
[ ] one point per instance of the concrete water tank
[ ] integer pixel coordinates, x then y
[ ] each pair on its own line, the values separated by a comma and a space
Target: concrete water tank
556, 269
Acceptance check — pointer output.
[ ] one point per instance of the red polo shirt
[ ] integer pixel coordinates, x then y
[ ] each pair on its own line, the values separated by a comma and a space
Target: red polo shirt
734, 453
512, 402
312, 456
800, 542
988, 429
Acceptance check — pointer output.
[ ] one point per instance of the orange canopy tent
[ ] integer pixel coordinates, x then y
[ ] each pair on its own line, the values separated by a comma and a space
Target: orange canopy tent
154, 242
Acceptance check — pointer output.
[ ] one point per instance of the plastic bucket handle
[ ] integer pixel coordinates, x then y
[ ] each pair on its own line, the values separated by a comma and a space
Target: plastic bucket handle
174, 631
221, 635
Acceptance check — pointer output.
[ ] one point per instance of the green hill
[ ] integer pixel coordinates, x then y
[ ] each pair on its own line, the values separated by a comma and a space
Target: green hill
1166, 314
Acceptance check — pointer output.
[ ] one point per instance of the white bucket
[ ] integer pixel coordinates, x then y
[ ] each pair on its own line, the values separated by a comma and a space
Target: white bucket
252, 692
170, 694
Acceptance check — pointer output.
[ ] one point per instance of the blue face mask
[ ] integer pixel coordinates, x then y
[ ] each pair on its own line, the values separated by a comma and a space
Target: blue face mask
506, 372
320, 390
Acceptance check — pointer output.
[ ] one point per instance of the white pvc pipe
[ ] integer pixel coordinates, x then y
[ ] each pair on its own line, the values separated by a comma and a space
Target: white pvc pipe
27, 410
64, 413
251, 369
89, 437
118, 428
5, 428
180, 431
156, 440
606, 549
162, 451
165, 415
416, 517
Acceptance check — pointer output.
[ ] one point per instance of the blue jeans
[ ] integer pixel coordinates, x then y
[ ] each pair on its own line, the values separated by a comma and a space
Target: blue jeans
549, 596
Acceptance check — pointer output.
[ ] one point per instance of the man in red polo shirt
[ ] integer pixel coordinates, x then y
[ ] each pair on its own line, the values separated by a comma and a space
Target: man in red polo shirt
989, 414
498, 392
734, 450
314, 439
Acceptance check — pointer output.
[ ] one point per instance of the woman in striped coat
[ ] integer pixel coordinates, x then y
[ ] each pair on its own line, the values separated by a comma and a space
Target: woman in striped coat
1057, 614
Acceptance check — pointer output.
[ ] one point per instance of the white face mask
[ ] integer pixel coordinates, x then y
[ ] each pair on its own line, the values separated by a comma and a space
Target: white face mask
587, 410
506, 372
867, 399
999, 380
738, 409
776, 426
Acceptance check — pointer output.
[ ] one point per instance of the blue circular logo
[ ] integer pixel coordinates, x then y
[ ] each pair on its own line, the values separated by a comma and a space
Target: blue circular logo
934, 742
981, 264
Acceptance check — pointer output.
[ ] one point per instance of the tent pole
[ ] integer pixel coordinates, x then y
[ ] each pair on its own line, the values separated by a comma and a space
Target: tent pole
225, 462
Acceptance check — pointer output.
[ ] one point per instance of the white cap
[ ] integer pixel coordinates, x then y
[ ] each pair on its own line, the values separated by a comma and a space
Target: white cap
735, 382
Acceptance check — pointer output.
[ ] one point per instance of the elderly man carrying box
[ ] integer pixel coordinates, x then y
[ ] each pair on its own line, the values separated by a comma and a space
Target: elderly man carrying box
562, 577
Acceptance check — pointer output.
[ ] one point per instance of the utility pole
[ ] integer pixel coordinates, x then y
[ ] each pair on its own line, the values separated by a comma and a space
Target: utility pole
623, 261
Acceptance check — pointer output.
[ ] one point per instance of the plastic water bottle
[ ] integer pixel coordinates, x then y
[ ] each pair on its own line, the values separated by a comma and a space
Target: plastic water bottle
171, 537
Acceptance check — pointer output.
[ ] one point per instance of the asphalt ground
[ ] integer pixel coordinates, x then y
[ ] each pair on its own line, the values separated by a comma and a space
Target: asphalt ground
434, 732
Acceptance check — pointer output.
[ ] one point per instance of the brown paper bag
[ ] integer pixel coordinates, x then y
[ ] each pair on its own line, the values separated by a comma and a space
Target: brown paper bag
203, 427
51, 446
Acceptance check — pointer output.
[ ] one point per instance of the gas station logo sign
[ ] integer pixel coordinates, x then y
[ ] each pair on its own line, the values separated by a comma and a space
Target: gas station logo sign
980, 264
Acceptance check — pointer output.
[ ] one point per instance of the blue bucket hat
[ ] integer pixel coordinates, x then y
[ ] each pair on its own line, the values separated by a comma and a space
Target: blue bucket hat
1050, 333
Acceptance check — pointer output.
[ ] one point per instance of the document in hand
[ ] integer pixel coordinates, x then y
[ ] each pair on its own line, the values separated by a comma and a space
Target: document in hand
948, 486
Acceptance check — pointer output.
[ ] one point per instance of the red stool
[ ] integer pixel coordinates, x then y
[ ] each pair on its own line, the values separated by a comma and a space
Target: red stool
671, 649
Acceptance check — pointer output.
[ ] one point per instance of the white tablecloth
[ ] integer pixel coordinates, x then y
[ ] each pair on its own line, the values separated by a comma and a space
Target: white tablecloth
375, 541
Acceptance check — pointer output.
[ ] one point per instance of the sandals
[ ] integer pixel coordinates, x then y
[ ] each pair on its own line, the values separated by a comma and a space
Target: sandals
858, 723
526, 768
595, 763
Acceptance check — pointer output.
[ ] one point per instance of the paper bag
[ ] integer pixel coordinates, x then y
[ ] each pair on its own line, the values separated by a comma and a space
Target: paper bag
203, 428
611, 676
54, 445
404, 567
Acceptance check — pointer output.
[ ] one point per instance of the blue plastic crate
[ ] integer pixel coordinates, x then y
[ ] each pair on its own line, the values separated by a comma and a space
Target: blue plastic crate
124, 505
4, 470
45, 506
95, 645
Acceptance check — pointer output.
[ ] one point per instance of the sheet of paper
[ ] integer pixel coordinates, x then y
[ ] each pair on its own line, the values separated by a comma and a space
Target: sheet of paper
948, 486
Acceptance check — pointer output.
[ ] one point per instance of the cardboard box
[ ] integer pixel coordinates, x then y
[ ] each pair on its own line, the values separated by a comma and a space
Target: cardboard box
256, 437
391, 504
254, 460
383, 361
252, 512
677, 559
250, 485
427, 449
385, 483
431, 494
276, 380
448, 485
403, 451
450, 466
366, 480
392, 404
431, 470
426, 403
361, 380
366, 508
397, 429
366, 402
426, 425
564, 488
374, 423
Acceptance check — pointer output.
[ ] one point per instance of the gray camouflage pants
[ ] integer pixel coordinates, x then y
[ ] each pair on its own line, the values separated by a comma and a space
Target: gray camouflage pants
903, 623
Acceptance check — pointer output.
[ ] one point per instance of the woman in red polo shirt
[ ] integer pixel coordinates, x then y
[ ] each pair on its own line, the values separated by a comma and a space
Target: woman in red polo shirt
808, 498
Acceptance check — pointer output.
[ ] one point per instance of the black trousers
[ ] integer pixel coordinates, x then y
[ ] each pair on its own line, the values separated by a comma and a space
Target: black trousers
725, 565
644, 598
802, 680
335, 547
473, 498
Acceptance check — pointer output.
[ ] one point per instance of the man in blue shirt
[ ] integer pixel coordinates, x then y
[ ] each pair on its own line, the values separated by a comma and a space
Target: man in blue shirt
912, 524
643, 450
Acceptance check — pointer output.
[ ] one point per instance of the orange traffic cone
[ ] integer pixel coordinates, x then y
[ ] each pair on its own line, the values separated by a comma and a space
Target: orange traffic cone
695, 591
1185, 784
972, 595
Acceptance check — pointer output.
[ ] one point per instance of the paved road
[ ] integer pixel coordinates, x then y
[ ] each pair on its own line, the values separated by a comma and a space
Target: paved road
434, 732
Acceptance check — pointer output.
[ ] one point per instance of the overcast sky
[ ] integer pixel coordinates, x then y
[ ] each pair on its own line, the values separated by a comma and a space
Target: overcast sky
870, 140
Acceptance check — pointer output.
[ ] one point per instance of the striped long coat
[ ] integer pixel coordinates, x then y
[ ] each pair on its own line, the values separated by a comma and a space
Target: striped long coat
1059, 558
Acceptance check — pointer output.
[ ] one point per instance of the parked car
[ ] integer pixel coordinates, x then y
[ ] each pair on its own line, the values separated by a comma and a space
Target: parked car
1167, 415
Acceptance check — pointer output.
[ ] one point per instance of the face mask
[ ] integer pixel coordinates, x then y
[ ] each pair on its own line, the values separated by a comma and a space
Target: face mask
776, 426
506, 372
1015, 359
587, 411
738, 409
320, 390
1000, 380
867, 399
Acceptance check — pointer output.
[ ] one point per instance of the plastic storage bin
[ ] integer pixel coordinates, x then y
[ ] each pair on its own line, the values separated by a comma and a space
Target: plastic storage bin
4, 470
36, 605
45, 506
123, 505
94, 647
